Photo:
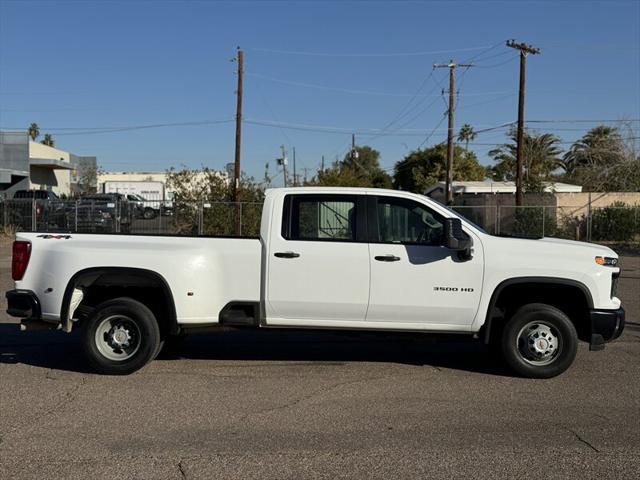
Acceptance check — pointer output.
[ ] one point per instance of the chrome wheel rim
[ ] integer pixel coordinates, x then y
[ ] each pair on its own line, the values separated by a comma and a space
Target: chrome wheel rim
539, 343
118, 338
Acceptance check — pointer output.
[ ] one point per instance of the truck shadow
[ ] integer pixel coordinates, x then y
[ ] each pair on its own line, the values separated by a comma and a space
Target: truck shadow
59, 351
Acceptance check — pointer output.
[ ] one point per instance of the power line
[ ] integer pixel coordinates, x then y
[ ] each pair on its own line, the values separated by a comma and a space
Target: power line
498, 64
61, 131
354, 91
349, 55
402, 112
444, 115
275, 117
489, 49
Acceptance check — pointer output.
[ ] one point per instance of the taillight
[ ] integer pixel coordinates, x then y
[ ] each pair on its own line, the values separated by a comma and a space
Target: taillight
20, 260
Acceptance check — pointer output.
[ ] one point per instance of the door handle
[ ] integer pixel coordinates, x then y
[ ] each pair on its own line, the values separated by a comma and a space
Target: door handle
286, 254
387, 258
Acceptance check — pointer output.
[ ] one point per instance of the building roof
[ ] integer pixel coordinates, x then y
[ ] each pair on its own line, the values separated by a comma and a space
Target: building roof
51, 163
488, 186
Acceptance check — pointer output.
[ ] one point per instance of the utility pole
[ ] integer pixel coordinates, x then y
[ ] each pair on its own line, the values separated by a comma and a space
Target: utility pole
283, 161
452, 68
322, 164
236, 191
524, 50
353, 144
295, 179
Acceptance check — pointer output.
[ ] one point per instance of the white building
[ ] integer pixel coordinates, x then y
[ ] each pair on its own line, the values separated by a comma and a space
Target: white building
437, 190
28, 165
140, 177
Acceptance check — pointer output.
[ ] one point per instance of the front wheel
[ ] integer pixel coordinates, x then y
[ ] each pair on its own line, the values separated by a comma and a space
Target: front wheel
149, 213
539, 341
120, 337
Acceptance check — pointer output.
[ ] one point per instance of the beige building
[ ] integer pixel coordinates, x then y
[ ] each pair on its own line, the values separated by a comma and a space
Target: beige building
28, 165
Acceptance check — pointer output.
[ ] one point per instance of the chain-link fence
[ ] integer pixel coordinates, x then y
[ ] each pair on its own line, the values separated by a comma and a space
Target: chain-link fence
611, 223
94, 215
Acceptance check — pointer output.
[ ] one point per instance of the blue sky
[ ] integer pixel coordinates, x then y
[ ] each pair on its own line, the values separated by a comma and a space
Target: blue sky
91, 64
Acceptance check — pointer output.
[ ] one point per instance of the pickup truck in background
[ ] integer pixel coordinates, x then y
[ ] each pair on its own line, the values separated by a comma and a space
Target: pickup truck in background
155, 201
326, 258
100, 213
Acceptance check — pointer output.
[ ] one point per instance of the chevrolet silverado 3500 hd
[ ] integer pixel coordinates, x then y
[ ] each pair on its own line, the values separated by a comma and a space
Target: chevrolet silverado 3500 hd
330, 258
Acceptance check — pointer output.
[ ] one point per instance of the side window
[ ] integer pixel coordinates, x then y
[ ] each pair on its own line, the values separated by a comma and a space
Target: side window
319, 217
407, 222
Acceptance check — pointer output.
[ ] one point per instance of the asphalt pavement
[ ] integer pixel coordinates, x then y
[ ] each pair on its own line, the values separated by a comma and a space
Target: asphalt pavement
278, 404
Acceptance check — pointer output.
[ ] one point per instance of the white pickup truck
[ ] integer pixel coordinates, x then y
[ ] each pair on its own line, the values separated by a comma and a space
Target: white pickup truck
326, 258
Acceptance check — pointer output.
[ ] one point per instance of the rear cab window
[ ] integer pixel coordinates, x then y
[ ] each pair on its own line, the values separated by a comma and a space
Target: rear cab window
324, 217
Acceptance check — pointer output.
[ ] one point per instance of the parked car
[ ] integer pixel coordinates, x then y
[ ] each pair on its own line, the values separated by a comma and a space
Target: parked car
100, 213
137, 205
37, 194
326, 258
42, 206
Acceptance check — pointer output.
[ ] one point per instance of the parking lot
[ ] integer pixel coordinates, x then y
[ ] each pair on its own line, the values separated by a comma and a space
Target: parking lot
274, 404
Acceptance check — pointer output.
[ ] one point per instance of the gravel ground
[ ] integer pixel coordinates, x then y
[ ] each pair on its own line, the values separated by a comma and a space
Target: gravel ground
265, 404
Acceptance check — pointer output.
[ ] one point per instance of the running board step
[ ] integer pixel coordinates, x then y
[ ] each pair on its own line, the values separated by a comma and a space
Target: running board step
240, 314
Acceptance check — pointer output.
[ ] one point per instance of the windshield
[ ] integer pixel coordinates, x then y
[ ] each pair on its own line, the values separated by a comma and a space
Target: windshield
459, 215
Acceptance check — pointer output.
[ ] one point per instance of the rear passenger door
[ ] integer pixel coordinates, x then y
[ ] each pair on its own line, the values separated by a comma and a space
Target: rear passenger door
318, 273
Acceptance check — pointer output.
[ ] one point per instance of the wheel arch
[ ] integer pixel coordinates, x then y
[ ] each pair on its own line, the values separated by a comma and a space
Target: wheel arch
98, 272
534, 282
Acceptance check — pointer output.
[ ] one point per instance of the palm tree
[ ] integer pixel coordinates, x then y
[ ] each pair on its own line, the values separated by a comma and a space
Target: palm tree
467, 134
48, 140
600, 146
33, 131
541, 157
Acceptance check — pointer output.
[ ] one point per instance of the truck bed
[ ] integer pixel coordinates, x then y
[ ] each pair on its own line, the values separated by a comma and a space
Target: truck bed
204, 274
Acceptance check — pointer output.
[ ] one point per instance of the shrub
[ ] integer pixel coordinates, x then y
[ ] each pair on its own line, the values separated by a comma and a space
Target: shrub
538, 221
617, 222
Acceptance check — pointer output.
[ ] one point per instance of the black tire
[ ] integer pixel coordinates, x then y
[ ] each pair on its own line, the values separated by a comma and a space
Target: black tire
149, 213
539, 341
135, 322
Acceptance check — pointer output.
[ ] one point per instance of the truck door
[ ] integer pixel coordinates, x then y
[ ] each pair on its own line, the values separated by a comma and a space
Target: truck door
318, 262
414, 279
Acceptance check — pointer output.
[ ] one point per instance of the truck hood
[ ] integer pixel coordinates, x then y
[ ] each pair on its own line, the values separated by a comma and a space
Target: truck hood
596, 248
558, 245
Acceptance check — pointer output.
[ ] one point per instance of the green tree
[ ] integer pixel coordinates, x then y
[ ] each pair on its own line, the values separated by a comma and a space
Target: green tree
422, 168
48, 140
88, 180
359, 168
467, 134
33, 131
541, 158
205, 198
604, 160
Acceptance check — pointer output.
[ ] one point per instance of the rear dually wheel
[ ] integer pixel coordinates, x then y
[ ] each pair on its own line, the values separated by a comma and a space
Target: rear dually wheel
120, 336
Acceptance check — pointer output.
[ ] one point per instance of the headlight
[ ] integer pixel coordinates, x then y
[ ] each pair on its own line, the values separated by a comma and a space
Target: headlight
607, 261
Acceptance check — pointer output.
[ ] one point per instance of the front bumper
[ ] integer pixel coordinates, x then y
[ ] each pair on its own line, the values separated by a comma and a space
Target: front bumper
606, 325
23, 304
